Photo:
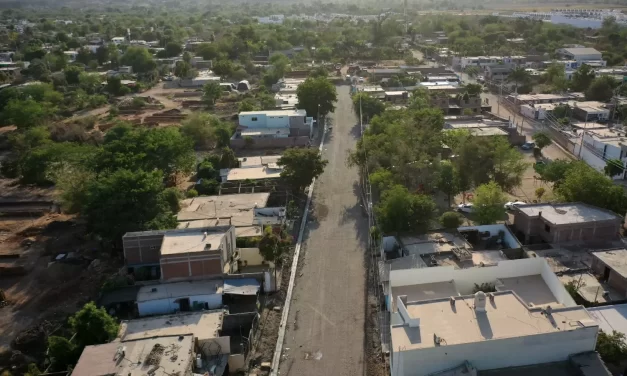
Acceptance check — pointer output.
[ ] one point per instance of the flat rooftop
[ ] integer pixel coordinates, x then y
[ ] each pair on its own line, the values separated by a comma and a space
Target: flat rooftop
616, 259
179, 290
490, 131
257, 161
568, 213
275, 113
159, 356
252, 173
238, 207
506, 317
531, 289
433, 242
610, 318
175, 243
203, 325
426, 291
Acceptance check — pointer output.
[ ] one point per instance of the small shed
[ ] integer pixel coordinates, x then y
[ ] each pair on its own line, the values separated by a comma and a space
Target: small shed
169, 298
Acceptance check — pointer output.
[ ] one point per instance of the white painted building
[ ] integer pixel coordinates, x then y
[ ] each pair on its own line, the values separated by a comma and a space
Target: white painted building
600, 145
274, 124
71, 55
580, 54
441, 323
276, 19
118, 40
168, 298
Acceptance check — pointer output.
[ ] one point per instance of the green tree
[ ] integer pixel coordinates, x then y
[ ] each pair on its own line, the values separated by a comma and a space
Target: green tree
184, 70
582, 183
272, 247
554, 171
612, 347
207, 131
474, 89
317, 96
211, 92
542, 140
319, 72
448, 180
172, 49
102, 54
324, 54
451, 220
126, 201
301, 167
93, 325
63, 352
488, 203
613, 167
400, 211
555, 76
72, 74
582, 78
28, 113
208, 51
601, 89
39, 70
280, 64
370, 106
519, 76
223, 68
140, 59
115, 87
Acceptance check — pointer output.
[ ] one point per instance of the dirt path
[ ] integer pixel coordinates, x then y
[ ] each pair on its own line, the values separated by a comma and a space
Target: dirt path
325, 334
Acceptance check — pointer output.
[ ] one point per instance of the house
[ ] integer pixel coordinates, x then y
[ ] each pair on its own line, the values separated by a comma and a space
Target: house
181, 254
139, 357
611, 317
580, 54
586, 111
215, 340
118, 40
286, 101
276, 19
499, 72
521, 99
272, 171
125, 69
275, 124
245, 211
568, 222
611, 264
71, 55
442, 318
187, 296
600, 145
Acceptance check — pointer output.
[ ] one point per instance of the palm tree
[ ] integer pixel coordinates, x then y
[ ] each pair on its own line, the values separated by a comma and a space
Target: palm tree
519, 76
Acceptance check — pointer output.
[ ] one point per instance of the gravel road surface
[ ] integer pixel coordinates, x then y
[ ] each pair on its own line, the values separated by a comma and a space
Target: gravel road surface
325, 333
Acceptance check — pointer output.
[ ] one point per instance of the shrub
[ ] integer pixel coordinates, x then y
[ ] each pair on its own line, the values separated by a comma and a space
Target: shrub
207, 187
191, 193
451, 220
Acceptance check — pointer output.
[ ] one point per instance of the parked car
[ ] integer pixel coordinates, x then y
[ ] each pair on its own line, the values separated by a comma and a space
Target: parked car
465, 208
510, 205
528, 146
480, 79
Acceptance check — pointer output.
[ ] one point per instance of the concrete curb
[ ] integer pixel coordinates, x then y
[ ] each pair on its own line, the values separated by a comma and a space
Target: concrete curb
276, 359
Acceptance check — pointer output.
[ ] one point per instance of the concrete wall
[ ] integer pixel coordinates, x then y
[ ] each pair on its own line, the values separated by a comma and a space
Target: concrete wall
509, 238
215, 346
170, 305
269, 143
265, 121
595, 151
251, 256
237, 362
497, 353
535, 227
615, 280
465, 279
192, 265
142, 249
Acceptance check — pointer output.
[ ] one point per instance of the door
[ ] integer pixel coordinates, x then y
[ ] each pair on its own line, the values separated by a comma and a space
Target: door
184, 305
606, 274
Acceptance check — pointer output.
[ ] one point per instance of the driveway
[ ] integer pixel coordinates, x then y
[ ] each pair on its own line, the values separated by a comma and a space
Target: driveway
325, 333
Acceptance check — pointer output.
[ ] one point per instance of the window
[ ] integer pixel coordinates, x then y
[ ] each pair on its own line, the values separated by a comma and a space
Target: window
254, 118
547, 228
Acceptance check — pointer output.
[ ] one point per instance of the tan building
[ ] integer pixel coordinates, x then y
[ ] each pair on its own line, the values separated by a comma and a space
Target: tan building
182, 254
612, 265
560, 223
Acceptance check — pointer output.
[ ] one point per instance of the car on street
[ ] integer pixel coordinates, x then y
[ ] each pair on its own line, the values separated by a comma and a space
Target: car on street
510, 205
465, 208
528, 146
480, 79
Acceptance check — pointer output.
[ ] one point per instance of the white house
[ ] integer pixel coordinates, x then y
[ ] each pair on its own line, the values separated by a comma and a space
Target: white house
600, 145
276, 124
580, 54
276, 19
71, 55
118, 40
442, 321
170, 298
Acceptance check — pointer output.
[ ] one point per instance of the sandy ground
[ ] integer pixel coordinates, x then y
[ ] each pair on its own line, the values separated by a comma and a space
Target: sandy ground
326, 325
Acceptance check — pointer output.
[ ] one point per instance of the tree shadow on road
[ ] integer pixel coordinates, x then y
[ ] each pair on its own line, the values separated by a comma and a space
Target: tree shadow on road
356, 130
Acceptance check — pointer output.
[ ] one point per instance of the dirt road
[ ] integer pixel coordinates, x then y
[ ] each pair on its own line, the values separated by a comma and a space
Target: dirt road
325, 334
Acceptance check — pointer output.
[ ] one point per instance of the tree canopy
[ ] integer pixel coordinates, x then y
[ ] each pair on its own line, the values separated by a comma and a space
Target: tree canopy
317, 96
488, 203
301, 166
400, 211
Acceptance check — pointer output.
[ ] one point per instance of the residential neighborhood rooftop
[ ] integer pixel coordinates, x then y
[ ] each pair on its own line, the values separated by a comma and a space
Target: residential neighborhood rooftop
252, 173
190, 241
138, 358
490, 131
610, 318
568, 213
507, 316
203, 325
294, 112
616, 259
582, 51
239, 208
179, 290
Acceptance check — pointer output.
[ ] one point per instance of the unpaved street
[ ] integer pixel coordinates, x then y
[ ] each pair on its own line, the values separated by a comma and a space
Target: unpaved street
325, 333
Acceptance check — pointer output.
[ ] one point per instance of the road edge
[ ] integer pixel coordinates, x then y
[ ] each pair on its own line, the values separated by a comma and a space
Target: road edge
278, 350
